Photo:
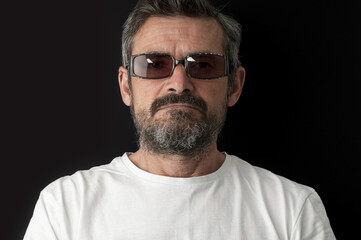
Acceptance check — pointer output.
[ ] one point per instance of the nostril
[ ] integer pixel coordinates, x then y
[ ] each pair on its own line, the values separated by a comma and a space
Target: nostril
186, 90
172, 90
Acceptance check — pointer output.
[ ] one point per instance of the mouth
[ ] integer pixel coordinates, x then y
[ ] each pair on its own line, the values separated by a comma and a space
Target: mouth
179, 102
179, 106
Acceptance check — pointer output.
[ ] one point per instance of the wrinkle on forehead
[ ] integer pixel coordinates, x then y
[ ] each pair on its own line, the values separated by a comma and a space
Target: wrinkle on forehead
179, 36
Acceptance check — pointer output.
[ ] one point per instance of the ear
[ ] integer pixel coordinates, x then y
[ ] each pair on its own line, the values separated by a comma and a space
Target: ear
124, 86
237, 86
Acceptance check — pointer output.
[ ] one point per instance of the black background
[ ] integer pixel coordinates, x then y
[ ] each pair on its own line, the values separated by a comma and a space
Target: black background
299, 114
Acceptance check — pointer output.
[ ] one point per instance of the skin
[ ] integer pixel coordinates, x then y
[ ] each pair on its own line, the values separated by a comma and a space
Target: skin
179, 36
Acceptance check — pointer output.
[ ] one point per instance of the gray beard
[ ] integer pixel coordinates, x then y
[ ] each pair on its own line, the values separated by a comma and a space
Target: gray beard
181, 133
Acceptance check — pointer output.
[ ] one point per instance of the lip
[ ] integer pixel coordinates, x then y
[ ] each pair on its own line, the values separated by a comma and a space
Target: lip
179, 105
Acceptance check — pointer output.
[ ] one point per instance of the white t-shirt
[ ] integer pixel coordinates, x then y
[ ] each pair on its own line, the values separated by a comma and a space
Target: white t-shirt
120, 201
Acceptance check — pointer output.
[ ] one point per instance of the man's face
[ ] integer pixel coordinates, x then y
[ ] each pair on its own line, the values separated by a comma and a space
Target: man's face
178, 115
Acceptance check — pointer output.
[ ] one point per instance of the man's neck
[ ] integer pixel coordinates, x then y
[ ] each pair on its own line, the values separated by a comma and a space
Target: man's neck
179, 166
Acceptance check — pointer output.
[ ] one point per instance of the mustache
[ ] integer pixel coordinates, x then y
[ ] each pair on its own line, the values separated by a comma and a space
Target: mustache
178, 98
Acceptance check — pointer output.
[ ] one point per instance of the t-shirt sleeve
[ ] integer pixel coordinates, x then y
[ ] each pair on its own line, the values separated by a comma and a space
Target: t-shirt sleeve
312, 222
41, 226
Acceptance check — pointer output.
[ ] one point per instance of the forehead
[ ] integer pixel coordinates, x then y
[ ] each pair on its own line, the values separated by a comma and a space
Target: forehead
179, 36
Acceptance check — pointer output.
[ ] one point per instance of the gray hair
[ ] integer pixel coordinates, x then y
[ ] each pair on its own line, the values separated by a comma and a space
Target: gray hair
190, 8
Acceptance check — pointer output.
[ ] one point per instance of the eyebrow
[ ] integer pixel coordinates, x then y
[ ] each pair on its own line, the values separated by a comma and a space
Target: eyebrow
191, 53
157, 52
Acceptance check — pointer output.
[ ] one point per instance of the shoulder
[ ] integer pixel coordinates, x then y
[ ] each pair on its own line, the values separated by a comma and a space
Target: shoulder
92, 178
262, 183
290, 205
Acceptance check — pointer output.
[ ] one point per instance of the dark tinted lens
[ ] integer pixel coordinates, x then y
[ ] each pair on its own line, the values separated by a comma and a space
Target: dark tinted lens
206, 66
152, 66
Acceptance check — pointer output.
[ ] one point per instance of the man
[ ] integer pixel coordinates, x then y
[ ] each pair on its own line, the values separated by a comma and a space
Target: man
181, 72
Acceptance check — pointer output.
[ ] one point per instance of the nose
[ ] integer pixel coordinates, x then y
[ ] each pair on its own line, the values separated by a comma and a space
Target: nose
179, 82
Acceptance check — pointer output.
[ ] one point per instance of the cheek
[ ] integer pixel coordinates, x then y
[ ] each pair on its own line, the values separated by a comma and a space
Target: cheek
214, 95
217, 102
145, 91
141, 103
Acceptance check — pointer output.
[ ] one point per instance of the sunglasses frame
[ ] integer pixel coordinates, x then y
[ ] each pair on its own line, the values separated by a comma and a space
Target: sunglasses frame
184, 62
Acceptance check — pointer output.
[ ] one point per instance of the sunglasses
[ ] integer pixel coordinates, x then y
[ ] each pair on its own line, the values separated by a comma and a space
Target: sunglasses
199, 65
